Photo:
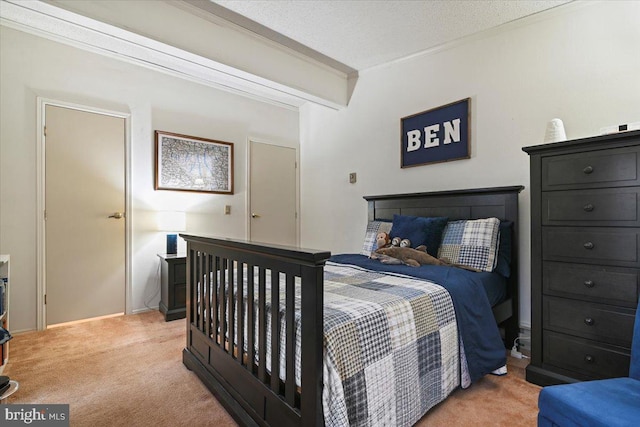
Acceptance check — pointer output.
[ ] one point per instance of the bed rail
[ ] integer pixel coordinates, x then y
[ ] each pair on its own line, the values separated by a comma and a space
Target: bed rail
222, 354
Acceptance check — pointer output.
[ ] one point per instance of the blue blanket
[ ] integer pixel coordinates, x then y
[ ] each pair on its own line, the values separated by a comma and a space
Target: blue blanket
476, 325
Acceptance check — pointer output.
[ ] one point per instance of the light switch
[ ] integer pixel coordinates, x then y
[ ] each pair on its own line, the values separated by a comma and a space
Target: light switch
352, 177
227, 209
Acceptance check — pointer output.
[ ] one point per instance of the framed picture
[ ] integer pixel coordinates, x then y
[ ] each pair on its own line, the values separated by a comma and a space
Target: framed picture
188, 163
437, 135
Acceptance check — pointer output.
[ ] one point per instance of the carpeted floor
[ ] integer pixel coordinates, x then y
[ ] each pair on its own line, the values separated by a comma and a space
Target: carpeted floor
128, 370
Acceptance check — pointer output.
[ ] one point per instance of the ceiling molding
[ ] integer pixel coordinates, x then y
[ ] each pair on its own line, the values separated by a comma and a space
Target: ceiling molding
242, 23
63, 26
561, 10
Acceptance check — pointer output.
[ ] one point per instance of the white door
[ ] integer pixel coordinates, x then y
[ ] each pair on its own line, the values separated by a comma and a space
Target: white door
272, 199
84, 201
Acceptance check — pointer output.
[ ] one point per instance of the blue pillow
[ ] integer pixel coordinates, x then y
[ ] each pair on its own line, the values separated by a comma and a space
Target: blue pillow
420, 230
504, 250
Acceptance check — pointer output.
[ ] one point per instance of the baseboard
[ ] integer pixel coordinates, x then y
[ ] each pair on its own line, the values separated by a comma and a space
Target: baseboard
144, 310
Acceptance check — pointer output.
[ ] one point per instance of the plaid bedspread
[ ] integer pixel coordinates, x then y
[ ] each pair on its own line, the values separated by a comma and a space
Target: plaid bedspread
391, 346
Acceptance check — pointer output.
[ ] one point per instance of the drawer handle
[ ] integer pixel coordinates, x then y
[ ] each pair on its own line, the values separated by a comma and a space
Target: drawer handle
588, 245
588, 170
588, 358
589, 283
589, 321
588, 207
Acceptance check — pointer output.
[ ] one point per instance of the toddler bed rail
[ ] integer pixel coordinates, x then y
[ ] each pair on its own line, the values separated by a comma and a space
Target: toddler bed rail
227, 336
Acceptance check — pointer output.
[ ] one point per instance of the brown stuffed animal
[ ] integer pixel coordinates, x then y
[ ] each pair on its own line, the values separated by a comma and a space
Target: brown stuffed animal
405, 255
383, 240
412, 257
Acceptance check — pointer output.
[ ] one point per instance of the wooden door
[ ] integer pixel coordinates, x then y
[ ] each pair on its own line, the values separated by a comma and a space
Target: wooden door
84, 211
273, 195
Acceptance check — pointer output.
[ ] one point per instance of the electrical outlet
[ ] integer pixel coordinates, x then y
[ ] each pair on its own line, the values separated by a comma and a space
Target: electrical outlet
352, 178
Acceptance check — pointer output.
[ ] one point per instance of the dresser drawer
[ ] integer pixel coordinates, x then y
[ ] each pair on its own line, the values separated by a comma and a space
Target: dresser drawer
602, 168
611, 206
606, 323
585, 357
609, 285
607, 246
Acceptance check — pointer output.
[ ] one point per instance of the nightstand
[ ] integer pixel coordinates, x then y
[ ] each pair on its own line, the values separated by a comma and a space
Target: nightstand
173, 286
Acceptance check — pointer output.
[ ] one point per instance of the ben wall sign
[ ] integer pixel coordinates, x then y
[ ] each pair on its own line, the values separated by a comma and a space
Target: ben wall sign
437, 135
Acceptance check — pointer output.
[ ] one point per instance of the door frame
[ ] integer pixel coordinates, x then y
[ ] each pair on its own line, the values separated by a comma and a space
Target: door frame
248, 197
41, 261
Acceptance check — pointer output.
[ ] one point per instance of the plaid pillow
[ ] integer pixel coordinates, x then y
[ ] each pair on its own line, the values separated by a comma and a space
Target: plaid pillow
472, 242
373, 228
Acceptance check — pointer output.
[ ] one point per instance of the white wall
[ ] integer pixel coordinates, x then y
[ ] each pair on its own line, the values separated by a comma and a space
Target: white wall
580, 63
31, 66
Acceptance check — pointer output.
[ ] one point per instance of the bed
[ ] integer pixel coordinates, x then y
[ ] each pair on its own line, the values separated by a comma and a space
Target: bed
294, 363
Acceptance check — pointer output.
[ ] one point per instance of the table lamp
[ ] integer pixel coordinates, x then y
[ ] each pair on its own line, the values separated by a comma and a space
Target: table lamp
173, 222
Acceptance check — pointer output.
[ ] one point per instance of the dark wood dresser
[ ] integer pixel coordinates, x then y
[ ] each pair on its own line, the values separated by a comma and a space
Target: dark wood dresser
585, 261
173, 286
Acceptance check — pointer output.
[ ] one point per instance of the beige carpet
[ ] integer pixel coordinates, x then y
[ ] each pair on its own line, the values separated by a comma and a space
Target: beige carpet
128, 370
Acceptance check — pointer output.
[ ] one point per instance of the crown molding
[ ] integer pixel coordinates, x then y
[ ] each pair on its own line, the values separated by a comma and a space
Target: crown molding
53, 23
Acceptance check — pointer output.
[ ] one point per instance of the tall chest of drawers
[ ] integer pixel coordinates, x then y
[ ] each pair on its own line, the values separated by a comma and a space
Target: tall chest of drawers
585, 260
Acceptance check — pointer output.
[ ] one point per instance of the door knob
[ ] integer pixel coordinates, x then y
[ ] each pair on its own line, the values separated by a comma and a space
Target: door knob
117, 215
255, 215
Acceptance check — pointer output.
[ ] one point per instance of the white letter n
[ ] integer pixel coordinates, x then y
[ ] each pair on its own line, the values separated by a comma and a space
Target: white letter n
452, 129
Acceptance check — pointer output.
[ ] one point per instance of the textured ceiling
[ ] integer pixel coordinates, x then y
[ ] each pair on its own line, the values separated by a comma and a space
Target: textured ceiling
366, 33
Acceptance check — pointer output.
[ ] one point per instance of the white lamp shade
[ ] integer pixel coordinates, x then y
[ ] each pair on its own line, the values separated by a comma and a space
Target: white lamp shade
172, 221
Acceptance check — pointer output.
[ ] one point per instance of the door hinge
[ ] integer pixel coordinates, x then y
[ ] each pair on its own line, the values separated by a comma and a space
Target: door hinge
45, 299
45, 215
45, 131
295, 165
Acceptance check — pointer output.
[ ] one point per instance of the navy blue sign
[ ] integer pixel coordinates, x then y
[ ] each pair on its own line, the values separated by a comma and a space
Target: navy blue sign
436, 135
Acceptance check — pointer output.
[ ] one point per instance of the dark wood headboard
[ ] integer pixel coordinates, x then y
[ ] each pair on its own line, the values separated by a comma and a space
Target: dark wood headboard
499, 202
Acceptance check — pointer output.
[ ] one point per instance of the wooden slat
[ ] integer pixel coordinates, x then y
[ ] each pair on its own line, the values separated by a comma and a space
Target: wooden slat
201, 291
214, 299
240, 310
275, 331
222, 332
262, 327
290, 381
251, 330
231, 308
191, 273
206, 299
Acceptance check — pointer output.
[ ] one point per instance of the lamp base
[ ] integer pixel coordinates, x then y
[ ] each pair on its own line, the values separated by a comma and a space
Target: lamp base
172, 244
